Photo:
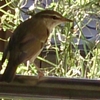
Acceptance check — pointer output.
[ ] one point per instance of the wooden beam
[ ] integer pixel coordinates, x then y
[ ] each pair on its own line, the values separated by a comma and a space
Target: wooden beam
50, 87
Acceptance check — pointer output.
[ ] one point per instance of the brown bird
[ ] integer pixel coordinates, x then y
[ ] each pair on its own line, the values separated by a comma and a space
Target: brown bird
28, 40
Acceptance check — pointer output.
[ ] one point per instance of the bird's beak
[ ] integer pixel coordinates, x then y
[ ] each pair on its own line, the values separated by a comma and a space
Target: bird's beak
67, 20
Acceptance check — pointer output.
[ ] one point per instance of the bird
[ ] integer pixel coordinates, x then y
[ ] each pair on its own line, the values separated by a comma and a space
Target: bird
28, 40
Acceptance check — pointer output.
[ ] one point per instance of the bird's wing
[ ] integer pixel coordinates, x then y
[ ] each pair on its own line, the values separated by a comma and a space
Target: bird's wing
30, 48
28, 40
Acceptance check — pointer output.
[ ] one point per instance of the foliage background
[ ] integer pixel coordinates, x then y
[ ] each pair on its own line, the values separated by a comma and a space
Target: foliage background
69, 63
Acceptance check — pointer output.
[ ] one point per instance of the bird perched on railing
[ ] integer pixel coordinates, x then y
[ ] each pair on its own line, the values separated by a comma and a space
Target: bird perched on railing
28, 40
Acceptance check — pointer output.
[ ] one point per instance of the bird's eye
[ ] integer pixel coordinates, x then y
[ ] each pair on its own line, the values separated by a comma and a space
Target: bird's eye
54, 17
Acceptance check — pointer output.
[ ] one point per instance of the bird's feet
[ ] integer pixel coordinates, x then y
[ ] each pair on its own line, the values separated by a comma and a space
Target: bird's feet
40, 73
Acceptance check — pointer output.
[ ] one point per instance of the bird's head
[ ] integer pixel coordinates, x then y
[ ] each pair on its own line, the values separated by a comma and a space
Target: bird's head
51, 18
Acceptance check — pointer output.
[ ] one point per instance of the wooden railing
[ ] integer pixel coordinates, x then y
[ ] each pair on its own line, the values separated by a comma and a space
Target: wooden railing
50, 87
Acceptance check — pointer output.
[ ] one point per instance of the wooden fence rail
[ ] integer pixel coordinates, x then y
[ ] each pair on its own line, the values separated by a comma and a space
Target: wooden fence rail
50, 87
